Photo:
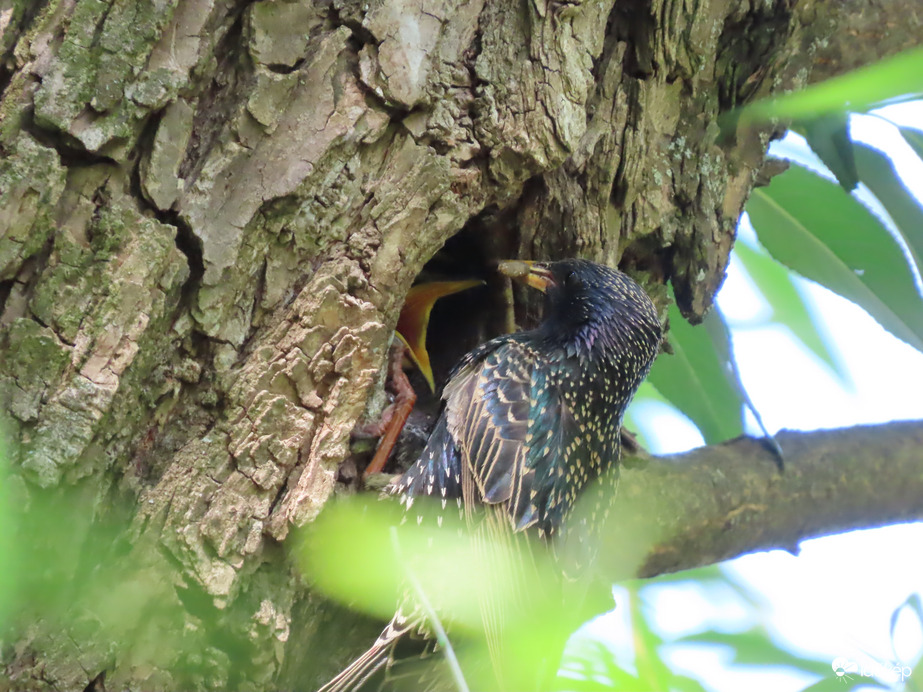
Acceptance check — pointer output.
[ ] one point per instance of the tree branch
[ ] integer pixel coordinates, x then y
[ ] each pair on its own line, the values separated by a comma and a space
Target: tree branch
866, 32
719, 502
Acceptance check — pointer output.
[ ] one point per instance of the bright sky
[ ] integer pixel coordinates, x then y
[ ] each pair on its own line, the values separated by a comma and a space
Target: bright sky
837, 597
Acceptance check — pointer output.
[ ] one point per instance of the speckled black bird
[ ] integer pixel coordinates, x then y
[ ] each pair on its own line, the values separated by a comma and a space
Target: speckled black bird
529, 419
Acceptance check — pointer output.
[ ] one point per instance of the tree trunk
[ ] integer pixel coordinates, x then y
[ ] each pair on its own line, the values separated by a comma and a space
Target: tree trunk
212, 210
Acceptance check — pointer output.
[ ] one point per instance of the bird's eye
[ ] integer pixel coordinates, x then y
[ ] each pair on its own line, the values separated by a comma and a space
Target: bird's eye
572, 280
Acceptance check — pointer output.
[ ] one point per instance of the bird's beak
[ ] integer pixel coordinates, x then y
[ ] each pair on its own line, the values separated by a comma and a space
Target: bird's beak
534, 274
414, 320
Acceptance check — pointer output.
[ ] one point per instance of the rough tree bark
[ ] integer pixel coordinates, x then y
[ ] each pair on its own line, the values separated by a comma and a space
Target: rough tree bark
212, 209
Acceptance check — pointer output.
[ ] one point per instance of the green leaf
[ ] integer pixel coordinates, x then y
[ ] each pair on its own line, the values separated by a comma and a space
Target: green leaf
828, 137
899, 75
914, 138
788, 306
699, 381
880, 176
444, 556
815, 228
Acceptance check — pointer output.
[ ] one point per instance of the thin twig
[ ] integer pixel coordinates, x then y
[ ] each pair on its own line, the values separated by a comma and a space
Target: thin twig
441, 637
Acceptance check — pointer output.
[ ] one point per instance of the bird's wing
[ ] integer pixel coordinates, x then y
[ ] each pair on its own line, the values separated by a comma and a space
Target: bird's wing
506, 436
487, 411
554, 444
508, 422
438, 471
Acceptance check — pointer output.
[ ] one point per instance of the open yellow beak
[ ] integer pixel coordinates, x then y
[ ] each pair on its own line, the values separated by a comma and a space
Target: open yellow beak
414, 320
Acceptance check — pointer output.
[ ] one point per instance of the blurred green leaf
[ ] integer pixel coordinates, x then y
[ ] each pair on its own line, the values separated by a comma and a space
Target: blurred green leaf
465, 567
8, 551
63, 568
879, 174
698, 380
815, 228
914, 138
898, 76
828, 137
367, 575
686, 684
788, 306
755, 647
590, 665
648, 659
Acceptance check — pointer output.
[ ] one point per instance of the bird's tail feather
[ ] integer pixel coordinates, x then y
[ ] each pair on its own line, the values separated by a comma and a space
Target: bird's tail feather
358, 673
354, 676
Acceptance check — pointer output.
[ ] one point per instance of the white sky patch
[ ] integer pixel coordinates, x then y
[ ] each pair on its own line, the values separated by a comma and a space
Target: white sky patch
837, 596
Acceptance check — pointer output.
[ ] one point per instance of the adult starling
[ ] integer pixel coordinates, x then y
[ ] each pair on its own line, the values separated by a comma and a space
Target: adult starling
529, 419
